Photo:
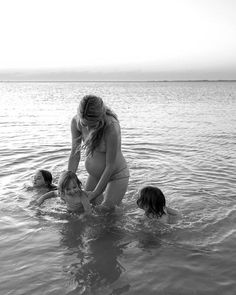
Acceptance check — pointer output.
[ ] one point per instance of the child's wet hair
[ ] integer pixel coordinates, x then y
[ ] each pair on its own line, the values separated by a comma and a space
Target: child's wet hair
65, 178
47, 176
152, 200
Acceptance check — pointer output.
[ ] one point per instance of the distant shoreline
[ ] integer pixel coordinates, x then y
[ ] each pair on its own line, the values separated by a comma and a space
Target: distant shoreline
109, 81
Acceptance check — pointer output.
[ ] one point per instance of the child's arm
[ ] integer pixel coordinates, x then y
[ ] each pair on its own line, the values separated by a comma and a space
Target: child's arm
86, 204
171, 211
46, 196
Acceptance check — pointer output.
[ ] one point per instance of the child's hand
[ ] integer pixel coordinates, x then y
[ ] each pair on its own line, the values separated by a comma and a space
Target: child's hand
37, 202
34, 203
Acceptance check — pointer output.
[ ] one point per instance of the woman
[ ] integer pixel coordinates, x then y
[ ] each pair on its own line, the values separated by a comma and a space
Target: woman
98, 128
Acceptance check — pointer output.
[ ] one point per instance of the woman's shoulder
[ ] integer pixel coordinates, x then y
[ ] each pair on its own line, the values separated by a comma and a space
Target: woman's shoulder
75, 120
75, 125
112, 124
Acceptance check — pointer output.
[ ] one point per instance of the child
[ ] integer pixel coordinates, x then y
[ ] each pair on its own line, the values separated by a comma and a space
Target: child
152, 201
69, 189
43, 179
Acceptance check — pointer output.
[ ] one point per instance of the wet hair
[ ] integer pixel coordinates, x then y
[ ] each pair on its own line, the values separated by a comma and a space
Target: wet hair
47, 176
93, 109
152, 200
65, 179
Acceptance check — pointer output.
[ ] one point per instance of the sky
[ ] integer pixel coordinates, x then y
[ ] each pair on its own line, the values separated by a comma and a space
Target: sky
118, 39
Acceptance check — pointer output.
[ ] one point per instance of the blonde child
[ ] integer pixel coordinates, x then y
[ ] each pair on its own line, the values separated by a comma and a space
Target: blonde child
152, 200
69, 189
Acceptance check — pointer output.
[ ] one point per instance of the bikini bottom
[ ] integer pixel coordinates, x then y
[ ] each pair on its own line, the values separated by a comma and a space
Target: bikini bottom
123, 173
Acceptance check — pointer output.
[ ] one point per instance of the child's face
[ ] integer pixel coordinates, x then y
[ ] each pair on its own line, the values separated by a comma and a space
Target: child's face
38, 179
71, 188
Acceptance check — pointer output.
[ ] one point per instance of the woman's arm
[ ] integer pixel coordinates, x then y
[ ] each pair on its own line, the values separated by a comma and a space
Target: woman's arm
46, 196
86, 204
112, 139
74, 158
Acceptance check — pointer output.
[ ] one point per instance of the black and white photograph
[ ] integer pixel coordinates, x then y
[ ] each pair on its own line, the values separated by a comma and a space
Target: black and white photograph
118, 147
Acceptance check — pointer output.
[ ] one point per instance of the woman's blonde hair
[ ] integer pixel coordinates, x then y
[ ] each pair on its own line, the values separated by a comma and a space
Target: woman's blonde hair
93, 109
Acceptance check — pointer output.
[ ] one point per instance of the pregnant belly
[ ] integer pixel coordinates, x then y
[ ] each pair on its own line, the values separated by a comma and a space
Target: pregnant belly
95, 164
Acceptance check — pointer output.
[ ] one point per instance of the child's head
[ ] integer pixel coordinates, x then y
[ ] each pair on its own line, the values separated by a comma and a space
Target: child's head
42, 178
152, 201
69, 183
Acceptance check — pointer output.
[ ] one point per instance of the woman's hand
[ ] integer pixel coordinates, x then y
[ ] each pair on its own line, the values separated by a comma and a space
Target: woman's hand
86, 203
91, 195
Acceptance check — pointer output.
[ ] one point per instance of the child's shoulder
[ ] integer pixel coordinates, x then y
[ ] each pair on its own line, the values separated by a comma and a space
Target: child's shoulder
173, 215
171, 211
164, 218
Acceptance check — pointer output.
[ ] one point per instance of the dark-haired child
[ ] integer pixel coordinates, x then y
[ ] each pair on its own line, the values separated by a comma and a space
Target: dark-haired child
43, 178
152, 200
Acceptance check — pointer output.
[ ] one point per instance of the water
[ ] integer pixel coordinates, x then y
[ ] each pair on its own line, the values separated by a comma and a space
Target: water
179, 136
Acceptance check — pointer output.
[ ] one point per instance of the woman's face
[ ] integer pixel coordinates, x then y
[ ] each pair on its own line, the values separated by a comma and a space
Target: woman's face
93, 124
38, 179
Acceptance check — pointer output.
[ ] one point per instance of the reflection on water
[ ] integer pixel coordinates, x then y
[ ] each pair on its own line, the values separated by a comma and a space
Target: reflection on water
94, 255
178, 136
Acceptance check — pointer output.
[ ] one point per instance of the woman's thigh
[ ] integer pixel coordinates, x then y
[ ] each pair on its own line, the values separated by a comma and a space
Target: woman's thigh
115, 191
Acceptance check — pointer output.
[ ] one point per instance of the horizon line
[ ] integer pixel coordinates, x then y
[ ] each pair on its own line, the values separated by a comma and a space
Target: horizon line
117, 81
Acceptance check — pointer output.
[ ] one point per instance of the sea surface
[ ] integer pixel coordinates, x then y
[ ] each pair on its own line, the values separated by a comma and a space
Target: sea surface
179, 136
